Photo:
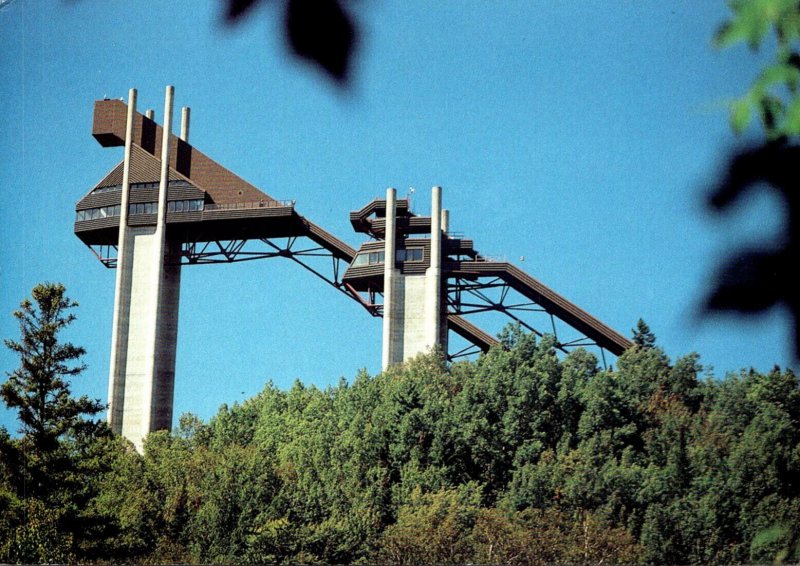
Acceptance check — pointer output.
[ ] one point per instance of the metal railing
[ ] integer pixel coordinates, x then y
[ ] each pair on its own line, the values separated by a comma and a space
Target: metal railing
249, 205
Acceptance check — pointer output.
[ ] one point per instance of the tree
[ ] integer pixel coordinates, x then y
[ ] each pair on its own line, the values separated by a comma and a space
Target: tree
774, 94
643, 336
757, 278
40, 391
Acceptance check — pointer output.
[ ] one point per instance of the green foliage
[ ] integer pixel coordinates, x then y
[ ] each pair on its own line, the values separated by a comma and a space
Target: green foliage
432, 528
38, 538
39, 389
773, 96
45, 491
521, 457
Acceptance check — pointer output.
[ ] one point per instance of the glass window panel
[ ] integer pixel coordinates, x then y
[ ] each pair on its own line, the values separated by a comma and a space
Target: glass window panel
179, 206
361, 259
171, 206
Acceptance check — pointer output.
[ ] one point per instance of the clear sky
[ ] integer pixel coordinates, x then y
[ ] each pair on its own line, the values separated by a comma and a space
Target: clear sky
581, 135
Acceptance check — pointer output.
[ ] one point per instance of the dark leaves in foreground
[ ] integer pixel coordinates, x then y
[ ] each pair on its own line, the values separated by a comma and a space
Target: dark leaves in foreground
755, 280
320, 31
237, 8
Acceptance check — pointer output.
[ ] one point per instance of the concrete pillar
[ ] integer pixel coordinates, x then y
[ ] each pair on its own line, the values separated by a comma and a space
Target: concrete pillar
445, 221
145, 329
116, 374
185, 114
433, 285
164, 180
150, 113
390, 306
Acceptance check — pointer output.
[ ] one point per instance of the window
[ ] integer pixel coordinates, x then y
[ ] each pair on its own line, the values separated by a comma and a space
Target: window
410, 254
106, 189
368, 258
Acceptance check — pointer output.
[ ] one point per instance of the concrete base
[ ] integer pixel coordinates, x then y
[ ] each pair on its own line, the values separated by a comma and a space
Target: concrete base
411, 325
143, 379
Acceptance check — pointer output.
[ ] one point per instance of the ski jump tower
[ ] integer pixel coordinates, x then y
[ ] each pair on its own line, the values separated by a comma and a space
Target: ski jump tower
166, 204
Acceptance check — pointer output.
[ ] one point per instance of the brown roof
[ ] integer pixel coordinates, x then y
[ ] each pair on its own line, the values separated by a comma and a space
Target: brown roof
145, 168
221, 184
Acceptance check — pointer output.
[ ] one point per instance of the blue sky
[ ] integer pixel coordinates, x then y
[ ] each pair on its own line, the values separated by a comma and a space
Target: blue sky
581, 136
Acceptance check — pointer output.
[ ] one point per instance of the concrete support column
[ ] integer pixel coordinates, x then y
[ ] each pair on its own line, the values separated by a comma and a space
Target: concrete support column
145, 327
158, 251
433, 286
389, 276
185, 114
116, 374
164, 180
445, 221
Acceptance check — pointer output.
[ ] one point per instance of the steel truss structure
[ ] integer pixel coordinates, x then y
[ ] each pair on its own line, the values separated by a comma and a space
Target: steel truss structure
469, 296
465, 296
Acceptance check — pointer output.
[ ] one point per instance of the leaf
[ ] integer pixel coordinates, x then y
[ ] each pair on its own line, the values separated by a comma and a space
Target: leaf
777, 74
750, 282
771, 108
751, 22
775, 163
791, 125
740, 115
321, 31
238, 8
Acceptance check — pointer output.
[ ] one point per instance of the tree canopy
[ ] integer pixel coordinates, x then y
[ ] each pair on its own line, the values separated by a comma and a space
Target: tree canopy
520, 457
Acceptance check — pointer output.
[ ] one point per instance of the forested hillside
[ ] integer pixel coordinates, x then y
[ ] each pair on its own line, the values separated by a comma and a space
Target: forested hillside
518, 457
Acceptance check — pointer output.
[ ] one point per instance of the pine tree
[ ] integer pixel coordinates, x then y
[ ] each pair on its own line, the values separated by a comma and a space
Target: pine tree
39, 389
642, 336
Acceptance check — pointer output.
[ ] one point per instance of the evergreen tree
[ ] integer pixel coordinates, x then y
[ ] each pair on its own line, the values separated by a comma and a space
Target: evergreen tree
642, 336
39, 389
